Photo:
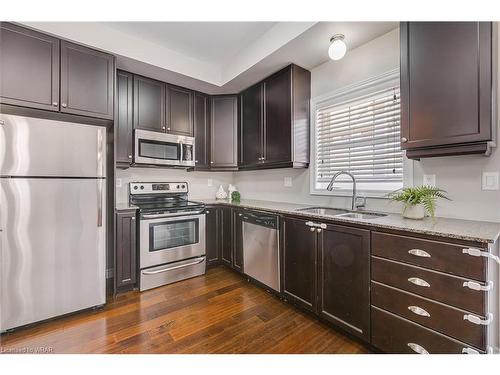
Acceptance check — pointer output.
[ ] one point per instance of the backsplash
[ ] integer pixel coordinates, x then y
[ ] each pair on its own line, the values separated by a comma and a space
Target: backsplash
197, 181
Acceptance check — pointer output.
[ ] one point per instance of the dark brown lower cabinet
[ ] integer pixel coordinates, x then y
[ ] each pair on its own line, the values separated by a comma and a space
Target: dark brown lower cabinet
299, 263
212, 236
237, 240
226, 234
344, 277
125, 253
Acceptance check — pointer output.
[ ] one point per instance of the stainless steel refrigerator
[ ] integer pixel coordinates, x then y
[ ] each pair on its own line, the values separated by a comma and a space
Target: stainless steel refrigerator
52, 219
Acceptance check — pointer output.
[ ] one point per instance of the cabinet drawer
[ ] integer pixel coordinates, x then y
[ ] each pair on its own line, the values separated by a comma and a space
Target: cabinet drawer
441, 256
435, 285
442, 318
393, 334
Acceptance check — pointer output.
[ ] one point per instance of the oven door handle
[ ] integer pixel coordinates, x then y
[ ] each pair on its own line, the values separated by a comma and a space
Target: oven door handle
159, 216
173, 268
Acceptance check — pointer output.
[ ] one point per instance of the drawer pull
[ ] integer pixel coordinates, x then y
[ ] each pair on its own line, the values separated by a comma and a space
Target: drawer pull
477, 320
418, 311
419, 253
469, 351
477, 286
479, 253
417, 348
310, 224
419, 282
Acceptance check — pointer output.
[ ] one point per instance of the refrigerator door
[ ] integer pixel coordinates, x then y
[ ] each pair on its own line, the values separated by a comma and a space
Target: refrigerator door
37, 147
52, 248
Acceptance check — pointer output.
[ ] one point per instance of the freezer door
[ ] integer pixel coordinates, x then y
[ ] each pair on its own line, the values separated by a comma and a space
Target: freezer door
37, 147
52, 248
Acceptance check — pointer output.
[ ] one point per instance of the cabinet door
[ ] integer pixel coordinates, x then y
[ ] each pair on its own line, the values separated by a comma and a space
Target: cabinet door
237, 241
251, 127
212, 236
299, 259
125, 257
445, 83
344, 285
226, 224
224, 131
87, 81
201, 130
29, 68
180, 111
124, 121
278, 117
149, 104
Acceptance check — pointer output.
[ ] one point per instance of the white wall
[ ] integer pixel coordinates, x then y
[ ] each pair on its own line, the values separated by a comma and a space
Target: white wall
197, 181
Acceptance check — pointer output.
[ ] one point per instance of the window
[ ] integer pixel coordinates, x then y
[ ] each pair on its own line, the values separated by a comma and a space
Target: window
361, 135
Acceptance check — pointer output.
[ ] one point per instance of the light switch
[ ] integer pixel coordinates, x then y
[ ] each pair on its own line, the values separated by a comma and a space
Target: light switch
287, 182
118, 182
429, 180
490, 180
209, 182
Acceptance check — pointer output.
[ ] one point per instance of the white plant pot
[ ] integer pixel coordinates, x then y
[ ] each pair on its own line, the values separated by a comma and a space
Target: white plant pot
416, 212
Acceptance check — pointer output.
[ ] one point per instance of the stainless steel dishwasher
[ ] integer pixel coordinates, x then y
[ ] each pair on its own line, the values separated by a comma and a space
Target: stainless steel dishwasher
261, 248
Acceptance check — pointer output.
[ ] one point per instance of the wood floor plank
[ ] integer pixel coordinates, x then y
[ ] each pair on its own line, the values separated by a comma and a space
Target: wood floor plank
219, 312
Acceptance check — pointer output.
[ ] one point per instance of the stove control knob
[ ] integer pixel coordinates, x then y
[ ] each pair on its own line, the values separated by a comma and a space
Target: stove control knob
167, 187
135, 187
142, 187
183, 186
178, 186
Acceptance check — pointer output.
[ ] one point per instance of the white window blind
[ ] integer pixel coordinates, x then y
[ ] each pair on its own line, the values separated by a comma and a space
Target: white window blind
361, 136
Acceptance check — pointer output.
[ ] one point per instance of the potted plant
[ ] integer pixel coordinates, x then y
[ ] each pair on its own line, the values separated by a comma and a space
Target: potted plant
418, 200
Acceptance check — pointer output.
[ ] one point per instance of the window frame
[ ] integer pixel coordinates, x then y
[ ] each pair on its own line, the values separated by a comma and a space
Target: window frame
346, 94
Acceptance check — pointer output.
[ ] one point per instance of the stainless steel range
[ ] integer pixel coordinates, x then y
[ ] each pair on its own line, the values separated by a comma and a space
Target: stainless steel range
171, 235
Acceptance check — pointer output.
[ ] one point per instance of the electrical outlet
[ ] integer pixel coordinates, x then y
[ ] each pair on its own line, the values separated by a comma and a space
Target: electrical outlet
429, 180
287, 182
209, 182
490, 181
118, 182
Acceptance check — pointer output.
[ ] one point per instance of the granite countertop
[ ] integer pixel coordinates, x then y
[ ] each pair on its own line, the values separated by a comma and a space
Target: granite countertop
467, 230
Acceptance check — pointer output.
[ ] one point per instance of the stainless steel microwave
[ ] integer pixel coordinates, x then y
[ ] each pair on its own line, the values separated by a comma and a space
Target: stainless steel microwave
154, 148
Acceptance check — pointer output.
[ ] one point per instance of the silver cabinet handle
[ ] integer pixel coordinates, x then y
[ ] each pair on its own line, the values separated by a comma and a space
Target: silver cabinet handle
419, 282
477, 286
132, 218
312, 229
309, 223
319, 230
404, 139
64, 105
417, 348
130, 156
322, 226
469, 351
196, 161
207, 211
419, 253
211, 162
240, 214
479, 253
173, 268
55, 104
168, 128
478, 320
418, 311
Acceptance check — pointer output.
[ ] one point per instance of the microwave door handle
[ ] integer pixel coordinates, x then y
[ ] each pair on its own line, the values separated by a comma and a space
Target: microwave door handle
181, 153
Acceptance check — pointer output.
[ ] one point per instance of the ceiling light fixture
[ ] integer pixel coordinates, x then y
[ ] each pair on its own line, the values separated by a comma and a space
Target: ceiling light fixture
337, 47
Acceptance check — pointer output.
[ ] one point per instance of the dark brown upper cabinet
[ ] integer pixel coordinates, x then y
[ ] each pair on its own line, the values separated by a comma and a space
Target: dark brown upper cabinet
126, 250
274, 129
149, 104
202, 130
29, 68
224, 132
123, 120
87, 81
300, 263
446, 88
344, 278
179, 111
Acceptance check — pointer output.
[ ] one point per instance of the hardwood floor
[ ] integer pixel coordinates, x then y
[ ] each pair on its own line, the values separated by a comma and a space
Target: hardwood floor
216, 313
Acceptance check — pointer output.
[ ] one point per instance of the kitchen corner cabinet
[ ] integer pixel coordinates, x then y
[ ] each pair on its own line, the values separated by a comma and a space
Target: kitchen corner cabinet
224, 132
226, 234
274, 128
87, 81
125, 251
123, 120
212, 236
149, 104
446, 88
42, 72
201, 131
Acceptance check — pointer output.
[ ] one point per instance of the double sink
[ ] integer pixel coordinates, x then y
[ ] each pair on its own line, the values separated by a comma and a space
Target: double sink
340, 213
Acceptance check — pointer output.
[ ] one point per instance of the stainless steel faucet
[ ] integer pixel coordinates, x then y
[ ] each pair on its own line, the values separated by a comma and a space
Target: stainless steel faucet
354, 204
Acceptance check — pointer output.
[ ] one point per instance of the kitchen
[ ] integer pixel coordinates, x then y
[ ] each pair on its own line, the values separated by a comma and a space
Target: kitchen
330, 188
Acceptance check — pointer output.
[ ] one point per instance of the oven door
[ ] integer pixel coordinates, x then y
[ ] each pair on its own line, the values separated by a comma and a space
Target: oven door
165, 239
157, 148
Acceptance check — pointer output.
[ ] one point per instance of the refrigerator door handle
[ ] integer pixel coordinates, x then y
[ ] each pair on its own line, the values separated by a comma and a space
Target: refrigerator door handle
100, 152
99, 203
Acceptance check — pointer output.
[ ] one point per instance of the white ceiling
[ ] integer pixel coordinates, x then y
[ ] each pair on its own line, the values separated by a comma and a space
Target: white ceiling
213, 42
214, 57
